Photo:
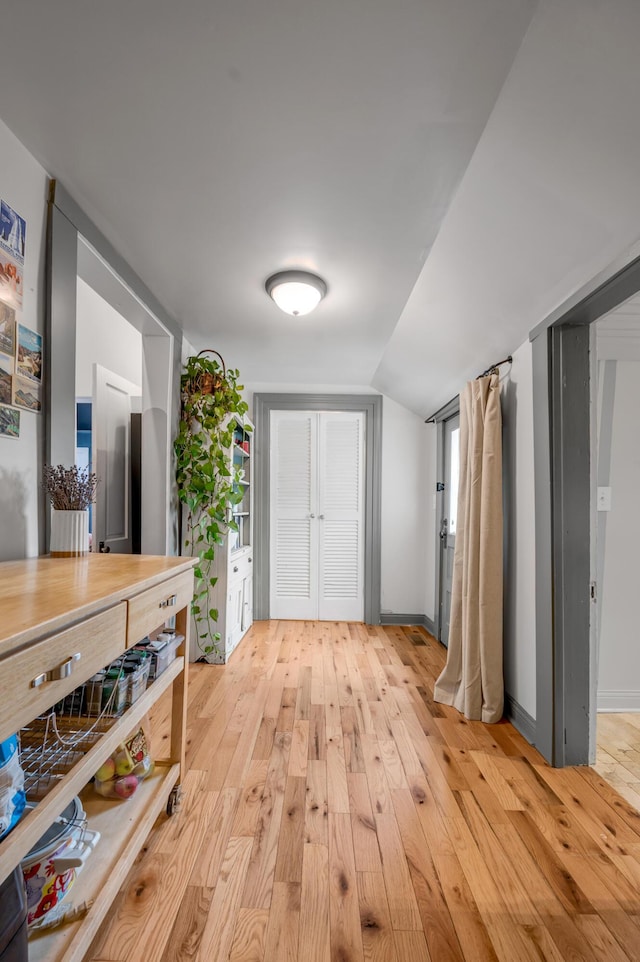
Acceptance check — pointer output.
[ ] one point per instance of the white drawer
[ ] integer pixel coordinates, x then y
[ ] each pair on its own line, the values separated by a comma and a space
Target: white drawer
240, 568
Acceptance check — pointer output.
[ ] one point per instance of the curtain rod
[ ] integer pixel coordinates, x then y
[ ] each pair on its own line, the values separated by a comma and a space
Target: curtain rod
494, 367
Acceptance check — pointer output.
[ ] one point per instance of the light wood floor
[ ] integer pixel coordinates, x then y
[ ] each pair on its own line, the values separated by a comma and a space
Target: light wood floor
618, 754
334, 813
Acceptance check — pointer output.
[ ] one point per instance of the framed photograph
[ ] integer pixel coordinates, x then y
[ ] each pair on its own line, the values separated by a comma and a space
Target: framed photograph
29, 354
13, 232
11, 280
9, 422
6, 372
26, 394
7, 329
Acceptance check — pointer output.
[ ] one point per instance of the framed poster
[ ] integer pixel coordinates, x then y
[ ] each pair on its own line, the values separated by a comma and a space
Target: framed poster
26, 394
29, 354
7, 329
6, 373
9, 422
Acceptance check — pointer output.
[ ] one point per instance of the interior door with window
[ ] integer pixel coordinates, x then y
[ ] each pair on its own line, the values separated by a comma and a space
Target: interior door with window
317, 515
448, 525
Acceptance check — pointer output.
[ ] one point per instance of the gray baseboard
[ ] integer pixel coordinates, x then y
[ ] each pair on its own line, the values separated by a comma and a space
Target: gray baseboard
393, 618
520, 719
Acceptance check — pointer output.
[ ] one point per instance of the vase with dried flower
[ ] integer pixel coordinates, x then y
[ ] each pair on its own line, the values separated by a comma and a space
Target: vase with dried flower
70, 491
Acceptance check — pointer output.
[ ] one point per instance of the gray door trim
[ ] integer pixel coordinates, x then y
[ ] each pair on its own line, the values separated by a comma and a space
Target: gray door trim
66, 223
371, 406
565, 530
64, 202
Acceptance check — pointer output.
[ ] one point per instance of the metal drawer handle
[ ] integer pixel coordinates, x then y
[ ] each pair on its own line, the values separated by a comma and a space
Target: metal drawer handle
235, 568
168, 602
55, 674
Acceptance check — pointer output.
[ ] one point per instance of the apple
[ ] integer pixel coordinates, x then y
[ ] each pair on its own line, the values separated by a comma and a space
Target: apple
126, 786
123, 761
107, 770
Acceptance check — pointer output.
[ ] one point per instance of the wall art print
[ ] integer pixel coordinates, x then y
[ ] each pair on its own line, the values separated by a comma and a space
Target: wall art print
7, 329
29, 354
9, 422
6, 374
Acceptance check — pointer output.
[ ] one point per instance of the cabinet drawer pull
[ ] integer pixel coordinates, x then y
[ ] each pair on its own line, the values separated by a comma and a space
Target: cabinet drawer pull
168, 602
60, 671
235, 567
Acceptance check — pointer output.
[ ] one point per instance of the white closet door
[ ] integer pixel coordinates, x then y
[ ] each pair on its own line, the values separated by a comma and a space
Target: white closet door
341, 517
294, 527
317, 515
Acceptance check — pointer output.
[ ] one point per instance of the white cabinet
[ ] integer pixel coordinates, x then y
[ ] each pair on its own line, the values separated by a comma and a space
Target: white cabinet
232, 594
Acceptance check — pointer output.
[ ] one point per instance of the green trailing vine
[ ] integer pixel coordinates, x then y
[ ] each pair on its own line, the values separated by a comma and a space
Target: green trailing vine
208, 485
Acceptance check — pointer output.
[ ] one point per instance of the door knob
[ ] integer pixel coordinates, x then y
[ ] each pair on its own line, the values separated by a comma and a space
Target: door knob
443, 529
321, 516
312, 515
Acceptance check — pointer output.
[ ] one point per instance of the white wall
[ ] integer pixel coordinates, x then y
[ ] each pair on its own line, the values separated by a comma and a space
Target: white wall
406, 472
23, 185
405, 498
105, 337
519, 531
619, 651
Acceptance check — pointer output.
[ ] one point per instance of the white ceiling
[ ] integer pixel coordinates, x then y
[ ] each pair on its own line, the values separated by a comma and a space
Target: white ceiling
449, 196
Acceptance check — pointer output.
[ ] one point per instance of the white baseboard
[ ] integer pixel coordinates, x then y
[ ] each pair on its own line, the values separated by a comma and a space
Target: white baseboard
617, 701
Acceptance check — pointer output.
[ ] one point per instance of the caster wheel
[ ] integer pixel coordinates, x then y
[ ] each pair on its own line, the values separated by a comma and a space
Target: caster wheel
173, 803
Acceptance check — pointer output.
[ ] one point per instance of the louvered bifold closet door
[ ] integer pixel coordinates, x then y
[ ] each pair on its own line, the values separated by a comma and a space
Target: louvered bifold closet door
294, 526
341, 516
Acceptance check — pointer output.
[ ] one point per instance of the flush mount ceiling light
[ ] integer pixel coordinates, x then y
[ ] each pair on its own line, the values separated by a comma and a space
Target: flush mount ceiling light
296, 292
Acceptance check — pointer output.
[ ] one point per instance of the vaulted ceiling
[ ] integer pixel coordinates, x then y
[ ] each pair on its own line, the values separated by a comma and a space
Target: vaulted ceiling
420, 155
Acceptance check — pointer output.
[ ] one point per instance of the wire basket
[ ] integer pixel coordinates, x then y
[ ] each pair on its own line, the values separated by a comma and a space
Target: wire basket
53, 742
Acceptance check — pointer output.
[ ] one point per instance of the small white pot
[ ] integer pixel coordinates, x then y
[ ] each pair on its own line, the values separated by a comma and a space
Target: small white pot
69, 534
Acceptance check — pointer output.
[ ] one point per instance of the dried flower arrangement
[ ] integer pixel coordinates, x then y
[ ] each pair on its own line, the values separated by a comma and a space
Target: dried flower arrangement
69, 489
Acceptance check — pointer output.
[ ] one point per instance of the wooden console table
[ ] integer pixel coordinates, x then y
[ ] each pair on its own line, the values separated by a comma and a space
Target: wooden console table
61, 621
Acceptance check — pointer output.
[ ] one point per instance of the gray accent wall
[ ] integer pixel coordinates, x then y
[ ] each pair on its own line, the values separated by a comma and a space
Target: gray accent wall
371, 406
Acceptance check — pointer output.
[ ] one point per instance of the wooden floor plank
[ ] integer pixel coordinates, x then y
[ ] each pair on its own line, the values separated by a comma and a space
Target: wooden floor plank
315, 937
377, 933
217, 937
335, 813
344, 912
283, 928
249, 936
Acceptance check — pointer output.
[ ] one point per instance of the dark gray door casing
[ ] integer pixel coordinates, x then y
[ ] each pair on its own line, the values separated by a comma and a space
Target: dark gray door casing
371, 406
564, 453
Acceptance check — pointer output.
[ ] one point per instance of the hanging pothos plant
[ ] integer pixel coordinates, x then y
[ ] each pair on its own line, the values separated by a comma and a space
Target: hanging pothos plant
208, 484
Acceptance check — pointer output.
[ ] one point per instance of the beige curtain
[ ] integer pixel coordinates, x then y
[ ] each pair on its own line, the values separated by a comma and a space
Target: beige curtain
472, 679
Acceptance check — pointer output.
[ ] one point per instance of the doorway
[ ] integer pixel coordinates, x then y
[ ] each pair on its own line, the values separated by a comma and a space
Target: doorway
316, 515
371, 408
566, 527
78, 252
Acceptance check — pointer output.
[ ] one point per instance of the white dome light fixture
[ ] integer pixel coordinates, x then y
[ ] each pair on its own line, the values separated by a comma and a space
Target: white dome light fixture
296, 292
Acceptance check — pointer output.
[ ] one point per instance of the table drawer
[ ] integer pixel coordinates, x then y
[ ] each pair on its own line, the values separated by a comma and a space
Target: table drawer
151, 608
34, 679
